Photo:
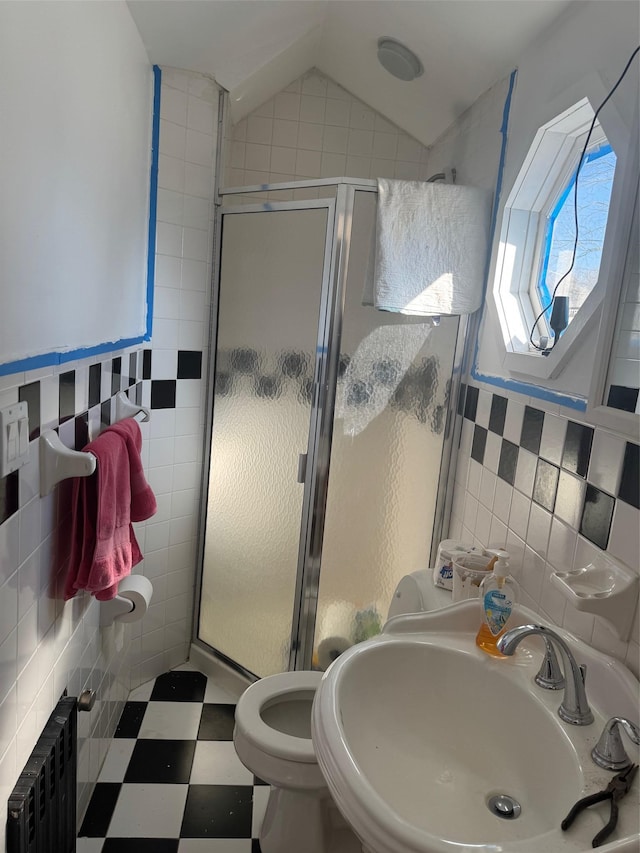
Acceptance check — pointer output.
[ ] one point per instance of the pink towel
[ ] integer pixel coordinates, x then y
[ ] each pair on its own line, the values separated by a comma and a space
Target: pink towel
104, 548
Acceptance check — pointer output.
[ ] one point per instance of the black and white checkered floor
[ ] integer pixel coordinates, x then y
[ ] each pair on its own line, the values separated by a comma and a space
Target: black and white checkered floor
171, 782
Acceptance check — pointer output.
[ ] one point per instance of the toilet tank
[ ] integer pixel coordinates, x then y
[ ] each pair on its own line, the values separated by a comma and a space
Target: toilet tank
417, 593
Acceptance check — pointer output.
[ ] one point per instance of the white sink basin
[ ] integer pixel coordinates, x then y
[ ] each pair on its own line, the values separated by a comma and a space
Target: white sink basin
417, 729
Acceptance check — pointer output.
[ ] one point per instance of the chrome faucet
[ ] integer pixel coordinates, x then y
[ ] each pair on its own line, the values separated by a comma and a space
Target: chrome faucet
609, 752
574, 708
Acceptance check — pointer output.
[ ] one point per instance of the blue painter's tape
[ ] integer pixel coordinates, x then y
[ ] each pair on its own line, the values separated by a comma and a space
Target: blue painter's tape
153, 198
529, 390
37, 362
503, 152
33, 363
577, 403
108, 347
496, 199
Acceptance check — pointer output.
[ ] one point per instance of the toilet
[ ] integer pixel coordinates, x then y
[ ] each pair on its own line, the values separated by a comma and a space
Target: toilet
272, 738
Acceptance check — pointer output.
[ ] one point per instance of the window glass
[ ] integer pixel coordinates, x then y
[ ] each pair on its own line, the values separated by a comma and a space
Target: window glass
594, 195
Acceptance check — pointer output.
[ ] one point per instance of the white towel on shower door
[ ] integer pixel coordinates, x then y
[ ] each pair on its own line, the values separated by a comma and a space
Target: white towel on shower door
432, 241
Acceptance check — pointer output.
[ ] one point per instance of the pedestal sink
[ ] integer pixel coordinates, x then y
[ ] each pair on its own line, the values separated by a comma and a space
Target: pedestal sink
417, 732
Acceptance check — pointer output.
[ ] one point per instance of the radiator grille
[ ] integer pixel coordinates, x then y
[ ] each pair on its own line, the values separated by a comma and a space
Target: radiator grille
42, 807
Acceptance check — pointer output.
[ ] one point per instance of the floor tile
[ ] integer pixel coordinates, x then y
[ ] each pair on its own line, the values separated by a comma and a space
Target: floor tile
179, 687
175, 730
142, 693
215, 845
117, 760
185, 667
141, 845
260, 797
164, 761
100, 810
148, 811
217, 722
171, 720
217, 811
89, 845
131, 719
216, 763
218, 695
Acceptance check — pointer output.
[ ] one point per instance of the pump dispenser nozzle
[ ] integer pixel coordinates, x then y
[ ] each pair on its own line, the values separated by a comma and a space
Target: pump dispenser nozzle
501, 568
500, 562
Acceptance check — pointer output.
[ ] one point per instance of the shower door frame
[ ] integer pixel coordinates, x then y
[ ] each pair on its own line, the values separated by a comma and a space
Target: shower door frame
316, 479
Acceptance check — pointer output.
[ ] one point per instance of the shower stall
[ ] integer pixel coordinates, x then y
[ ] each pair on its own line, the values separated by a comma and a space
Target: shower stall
331, 429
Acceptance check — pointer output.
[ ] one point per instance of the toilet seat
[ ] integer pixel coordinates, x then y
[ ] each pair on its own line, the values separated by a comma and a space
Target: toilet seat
268, 692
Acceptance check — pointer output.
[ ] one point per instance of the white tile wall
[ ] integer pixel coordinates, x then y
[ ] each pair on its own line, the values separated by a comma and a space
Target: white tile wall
316, 129
472, 146
184, 235
46, 644
625, 362
489, 512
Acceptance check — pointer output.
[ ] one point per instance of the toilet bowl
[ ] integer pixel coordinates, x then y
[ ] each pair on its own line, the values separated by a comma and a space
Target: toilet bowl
272, 737
273, 730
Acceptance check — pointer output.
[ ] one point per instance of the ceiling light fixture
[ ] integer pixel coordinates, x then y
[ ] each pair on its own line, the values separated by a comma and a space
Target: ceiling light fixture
398, 59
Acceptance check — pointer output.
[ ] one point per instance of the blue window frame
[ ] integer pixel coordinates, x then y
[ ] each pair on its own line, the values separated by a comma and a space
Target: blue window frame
594, 196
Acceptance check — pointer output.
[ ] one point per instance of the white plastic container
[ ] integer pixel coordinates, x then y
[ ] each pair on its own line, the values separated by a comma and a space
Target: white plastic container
469, 570
448, 550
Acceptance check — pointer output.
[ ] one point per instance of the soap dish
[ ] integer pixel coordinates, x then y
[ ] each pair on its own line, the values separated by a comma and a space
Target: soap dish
603, 588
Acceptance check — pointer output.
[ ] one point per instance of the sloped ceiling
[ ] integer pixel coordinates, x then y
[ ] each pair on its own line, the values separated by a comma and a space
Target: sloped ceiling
254, 48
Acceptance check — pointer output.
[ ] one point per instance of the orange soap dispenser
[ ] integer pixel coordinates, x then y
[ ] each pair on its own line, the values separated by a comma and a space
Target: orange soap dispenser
498, 597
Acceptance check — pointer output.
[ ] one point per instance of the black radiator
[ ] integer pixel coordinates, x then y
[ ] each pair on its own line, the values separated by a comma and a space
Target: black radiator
42, 807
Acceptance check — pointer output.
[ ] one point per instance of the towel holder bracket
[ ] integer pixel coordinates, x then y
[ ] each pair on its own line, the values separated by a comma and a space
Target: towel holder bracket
126, 409
58, 462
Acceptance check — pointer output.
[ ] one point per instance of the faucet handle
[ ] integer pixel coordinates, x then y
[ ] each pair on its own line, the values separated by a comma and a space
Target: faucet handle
549, 675
609, 752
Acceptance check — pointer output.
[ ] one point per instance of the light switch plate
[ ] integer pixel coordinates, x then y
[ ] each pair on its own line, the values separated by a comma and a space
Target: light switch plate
14, 425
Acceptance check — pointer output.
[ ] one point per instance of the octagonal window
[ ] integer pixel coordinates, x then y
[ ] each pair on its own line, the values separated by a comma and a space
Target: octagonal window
595, 183
535, 249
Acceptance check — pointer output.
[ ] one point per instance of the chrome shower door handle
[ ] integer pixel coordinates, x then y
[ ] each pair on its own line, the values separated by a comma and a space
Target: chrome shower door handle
302, 467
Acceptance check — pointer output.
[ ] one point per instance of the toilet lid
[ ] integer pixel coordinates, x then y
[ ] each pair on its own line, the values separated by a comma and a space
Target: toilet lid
266, 693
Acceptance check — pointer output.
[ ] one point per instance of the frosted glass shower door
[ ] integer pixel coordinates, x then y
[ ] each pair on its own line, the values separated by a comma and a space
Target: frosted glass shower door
388, 433
271, 286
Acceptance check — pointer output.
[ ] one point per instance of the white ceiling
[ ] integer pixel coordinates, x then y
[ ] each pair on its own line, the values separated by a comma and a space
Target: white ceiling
254, 48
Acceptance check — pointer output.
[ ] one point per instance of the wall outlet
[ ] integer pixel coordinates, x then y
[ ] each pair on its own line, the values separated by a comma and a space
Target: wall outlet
14, 438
